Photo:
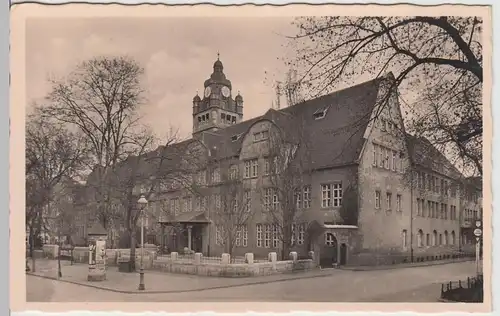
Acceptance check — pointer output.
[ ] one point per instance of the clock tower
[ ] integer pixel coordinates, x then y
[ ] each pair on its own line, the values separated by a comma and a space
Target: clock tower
216, 108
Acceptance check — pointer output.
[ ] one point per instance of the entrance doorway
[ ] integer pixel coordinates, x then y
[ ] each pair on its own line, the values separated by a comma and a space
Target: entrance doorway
343, 254
328, 255
197, 240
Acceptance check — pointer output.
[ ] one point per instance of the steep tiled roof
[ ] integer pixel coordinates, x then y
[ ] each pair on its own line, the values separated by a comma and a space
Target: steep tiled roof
336, 139
424, 154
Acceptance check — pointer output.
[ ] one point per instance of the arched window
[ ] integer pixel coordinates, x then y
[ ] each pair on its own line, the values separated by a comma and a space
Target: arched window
445, 237
404, 237
453, 237
440, 239
434, 238
420, 236
428, 240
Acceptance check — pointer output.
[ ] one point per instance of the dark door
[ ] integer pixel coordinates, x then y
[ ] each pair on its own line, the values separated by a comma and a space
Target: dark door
343, 254
328, 255
197, 242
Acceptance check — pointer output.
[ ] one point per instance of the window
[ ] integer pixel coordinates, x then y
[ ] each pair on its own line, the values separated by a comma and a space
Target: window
386, 158
202, 178
267, 197
258, 228
216, 175
257, 137
218, 235
377, 199
175, 205
302, 233
189, 204
255, 167
434, 238
319, 114
265, 135
381, 157
217, 201
420, 236
399, 207
204, 203
375, 154
388, 200
326, 195
237, 237
247, 169
298, 200
440, 239
267, 236
307, 197
453, 237
244, 235
247, 196
275, 236
404, 237
427, 240
445, 241
329, 239
233, 172
276, 202
327, 200
429, 208
267, 166
393, 165
292, 235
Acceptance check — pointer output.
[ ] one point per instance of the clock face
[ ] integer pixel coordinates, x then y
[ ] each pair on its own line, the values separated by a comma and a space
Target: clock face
225, 92
207, 92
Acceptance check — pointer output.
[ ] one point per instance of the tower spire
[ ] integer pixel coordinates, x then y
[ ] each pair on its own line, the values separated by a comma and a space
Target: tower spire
218, 55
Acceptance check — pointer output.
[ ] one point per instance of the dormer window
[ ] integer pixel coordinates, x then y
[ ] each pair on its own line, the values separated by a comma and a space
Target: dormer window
319, 114
235, 137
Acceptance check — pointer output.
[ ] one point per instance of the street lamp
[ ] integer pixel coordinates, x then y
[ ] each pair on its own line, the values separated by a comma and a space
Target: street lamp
478, 232
142, 202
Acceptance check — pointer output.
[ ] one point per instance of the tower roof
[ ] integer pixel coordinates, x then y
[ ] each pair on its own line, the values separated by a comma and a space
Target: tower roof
218, 76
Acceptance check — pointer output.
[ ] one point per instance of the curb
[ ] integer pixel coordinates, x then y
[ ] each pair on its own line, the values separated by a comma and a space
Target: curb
175, 291
400, 267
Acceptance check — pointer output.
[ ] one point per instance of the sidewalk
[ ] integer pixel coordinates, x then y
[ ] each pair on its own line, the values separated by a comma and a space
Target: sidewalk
158, 282
405, 265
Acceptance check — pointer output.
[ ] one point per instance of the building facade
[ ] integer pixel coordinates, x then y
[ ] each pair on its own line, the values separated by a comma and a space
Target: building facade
365, 191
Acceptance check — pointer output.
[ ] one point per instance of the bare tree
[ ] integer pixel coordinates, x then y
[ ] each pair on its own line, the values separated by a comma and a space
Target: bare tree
52, 154
100, 98
438, 57
171, 165
232, 210
289, 175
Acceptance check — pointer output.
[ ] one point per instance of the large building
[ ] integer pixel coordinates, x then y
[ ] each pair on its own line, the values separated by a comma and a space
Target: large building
368, 193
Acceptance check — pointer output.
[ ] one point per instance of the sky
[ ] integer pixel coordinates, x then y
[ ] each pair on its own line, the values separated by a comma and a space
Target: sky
177, 54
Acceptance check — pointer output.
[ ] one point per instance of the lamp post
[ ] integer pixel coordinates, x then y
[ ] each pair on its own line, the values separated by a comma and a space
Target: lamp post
478, 232
142, 205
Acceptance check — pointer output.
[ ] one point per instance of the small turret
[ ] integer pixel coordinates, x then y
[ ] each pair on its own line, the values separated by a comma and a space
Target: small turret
196, 103
239, 103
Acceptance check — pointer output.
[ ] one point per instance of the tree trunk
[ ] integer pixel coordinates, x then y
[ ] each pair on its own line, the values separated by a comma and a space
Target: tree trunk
32, 245
59, 271
132, 247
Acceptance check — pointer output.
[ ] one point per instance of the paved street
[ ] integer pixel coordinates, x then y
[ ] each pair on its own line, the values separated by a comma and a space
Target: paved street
418, 284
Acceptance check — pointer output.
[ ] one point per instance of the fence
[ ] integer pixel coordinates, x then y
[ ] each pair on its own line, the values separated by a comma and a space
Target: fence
470, 291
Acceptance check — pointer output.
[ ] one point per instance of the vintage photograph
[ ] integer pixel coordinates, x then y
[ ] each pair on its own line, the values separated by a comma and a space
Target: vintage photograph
254, 159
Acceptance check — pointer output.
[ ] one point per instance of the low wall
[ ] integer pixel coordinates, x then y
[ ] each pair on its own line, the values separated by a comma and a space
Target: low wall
231, 269
377, 258
81, 255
